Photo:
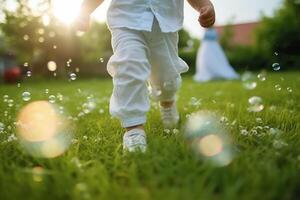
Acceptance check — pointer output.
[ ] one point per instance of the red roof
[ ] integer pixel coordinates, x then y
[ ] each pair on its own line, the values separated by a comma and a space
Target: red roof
243, 34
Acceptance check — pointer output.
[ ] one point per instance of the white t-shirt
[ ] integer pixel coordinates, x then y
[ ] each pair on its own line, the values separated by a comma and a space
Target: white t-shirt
139, 14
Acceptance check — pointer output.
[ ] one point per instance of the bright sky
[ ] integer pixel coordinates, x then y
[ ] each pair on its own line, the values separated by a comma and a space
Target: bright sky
236, 11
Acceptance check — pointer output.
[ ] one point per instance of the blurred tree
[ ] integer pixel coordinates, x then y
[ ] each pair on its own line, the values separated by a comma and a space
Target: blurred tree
188, 48
227, 36
37, 37
281, 34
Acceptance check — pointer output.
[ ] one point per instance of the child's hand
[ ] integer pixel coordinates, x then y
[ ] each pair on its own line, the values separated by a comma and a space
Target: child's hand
82, 22
207, 15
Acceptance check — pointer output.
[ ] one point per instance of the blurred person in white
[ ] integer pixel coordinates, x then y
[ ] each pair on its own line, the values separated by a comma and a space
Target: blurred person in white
212, 62
145, 46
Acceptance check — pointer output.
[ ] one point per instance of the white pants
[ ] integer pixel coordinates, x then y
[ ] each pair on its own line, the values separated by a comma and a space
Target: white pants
141, 56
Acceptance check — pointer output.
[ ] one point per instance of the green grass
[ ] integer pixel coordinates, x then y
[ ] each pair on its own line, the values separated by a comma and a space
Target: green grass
95, 167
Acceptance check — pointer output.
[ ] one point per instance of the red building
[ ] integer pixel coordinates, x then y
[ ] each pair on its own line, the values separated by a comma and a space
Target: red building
243, 34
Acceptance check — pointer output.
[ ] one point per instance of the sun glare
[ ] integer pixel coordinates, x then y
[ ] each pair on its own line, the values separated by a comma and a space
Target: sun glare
66, 10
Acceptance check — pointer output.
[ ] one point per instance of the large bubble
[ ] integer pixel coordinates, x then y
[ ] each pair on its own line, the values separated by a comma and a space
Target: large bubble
43, 130
208, 138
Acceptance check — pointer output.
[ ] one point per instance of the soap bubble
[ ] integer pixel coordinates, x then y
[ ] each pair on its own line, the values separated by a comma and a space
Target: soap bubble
42, 130
73, 76
52, 66
28, 73
255, 104
277, 87
52, 99
26, 37
2, 127
5, 98
89, 105
248, 80
10, 102
26, 96
208, 138
262, 76
289, 89
276, 66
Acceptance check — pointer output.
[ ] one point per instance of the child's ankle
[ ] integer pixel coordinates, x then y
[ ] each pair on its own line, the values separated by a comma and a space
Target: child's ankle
141, 126
166, 104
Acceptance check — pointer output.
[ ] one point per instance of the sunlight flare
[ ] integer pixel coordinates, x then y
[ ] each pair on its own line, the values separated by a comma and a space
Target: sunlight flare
66, 10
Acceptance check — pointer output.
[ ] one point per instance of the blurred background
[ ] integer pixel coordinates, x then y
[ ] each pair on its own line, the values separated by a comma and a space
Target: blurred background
36, 37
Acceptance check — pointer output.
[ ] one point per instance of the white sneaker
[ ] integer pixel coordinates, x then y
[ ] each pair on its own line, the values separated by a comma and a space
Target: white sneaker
135, 140
169, 116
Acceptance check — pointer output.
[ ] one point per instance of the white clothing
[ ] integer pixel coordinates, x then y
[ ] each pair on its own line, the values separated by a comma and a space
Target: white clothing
140, 14
139, 56
212, 63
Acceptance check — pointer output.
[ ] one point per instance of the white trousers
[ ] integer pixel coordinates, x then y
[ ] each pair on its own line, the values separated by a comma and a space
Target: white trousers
140, 57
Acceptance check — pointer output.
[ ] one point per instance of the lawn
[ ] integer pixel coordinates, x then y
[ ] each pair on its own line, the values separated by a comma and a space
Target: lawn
266, 144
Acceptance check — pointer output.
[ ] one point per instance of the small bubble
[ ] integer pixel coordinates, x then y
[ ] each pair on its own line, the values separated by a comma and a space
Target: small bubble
101, 60
26, 64
277, 87
77, 69
248, 80
28, 73
276, 53
255, 104
19, 85
2, 127
73, 76
195, 102
52, 99
261, 76
289, 89
5, 98
26, 37
41, 31
167, 131
41, 39
276, 66
26, 96
46, 91
52, 66
10, 102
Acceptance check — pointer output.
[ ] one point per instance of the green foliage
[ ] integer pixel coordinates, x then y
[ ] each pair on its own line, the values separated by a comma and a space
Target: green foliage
281, 34
188, 48
37, 43
226, 39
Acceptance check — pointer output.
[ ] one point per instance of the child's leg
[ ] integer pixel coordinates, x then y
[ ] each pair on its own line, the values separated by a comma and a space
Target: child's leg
165, 76
130, 70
